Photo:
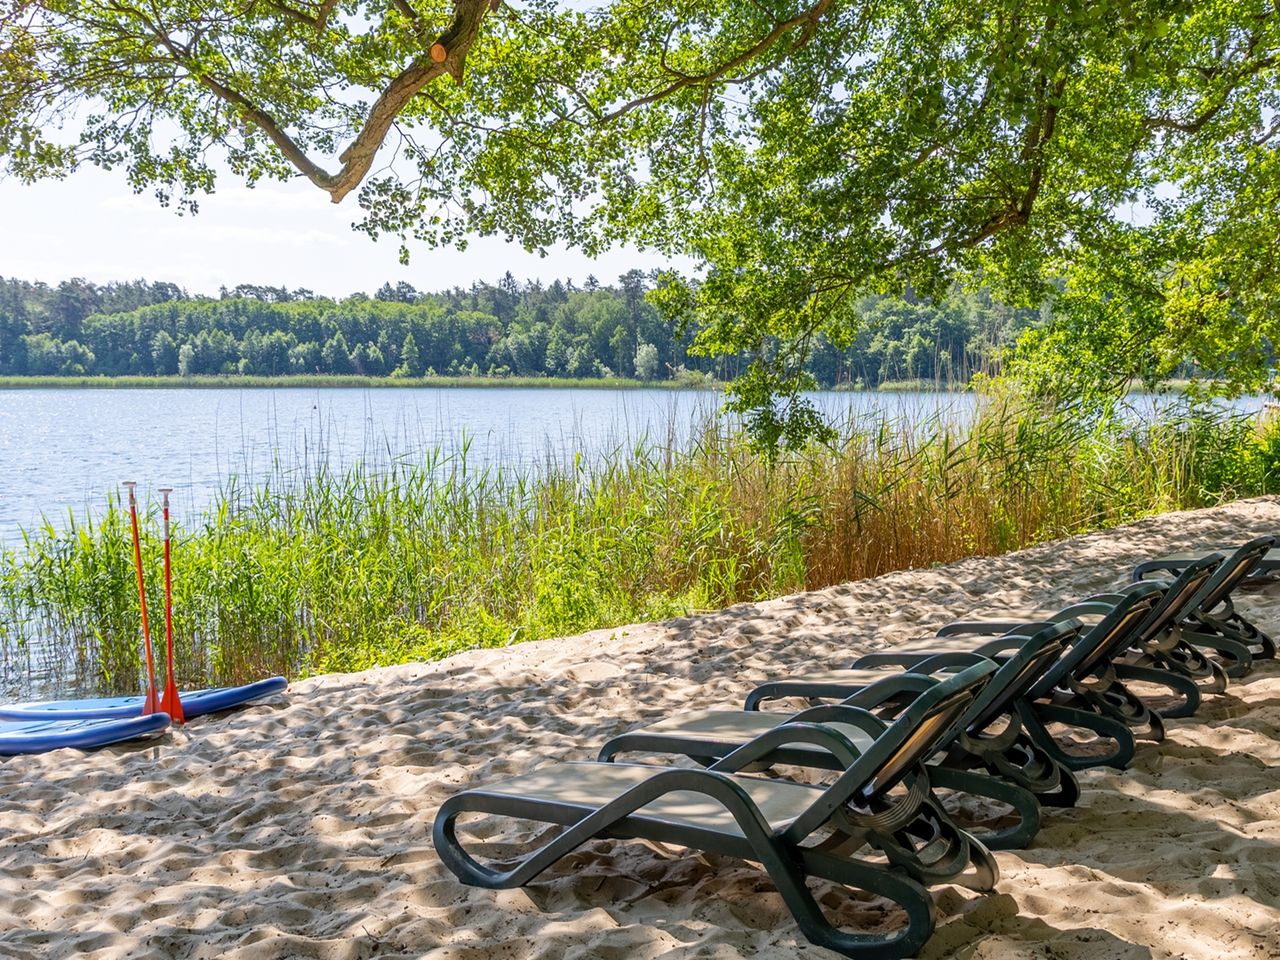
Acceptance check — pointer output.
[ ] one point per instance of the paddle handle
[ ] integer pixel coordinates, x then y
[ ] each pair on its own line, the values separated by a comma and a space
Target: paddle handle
150, 702
170, 703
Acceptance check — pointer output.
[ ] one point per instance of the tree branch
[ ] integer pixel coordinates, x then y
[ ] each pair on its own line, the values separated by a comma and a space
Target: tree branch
403, 6
357, 158
808, 20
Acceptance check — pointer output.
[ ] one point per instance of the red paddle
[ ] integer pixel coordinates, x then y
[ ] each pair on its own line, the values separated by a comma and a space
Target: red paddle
150, 703
170, 703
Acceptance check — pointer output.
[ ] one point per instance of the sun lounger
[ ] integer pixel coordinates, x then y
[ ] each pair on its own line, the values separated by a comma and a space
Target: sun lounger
1215, 624
1267, 569
793, 830
1017, 772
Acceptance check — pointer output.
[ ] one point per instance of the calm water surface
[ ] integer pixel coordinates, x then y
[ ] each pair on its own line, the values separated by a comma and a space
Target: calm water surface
63, 450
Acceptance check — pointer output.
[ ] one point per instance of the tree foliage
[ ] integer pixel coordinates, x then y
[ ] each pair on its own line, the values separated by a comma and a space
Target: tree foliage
1116, 158
529, 329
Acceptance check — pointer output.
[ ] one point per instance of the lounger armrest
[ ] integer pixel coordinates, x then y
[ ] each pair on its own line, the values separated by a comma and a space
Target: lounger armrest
889, 658
930, 663
937, 662
1092, 607
1142, 587
890, 688
891, 685
966, 627
1023, 628
850, 714
1123, 593
799, 729
719, 786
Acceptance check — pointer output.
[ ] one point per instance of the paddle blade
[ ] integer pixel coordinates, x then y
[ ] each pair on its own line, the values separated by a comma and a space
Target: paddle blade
171, 703
151, 703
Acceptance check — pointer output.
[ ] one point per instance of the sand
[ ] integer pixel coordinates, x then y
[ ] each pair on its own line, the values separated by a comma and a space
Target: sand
301, 828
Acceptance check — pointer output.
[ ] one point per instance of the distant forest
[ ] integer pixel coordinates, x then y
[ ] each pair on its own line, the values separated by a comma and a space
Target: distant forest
530, 329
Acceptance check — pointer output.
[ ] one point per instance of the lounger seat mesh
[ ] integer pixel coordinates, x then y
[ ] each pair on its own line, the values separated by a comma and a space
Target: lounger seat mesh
580, 788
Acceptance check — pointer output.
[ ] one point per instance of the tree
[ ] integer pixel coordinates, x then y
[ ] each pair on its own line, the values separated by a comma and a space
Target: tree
335, 356
305, 358
374, 362
44, 354
409, 360
646, 362
164, 354
77, 359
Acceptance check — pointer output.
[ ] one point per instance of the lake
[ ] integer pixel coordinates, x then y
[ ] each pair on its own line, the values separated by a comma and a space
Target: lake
64, 449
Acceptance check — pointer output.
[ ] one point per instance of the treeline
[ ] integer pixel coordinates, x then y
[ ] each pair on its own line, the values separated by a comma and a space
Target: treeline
506, 329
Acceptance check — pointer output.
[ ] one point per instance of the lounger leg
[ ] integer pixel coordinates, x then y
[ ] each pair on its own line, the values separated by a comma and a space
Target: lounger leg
1024, 804
1067, 793
1015, 757
1237, 657
1182, 686
1035, 716
1231, 624
1185, 659
1111, 698
906, 893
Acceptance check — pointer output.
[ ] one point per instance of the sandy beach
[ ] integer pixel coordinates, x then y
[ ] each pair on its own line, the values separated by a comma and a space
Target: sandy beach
301, 828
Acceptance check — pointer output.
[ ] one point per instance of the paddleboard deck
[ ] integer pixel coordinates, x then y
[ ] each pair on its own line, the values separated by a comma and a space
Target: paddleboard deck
41, 736
195, 703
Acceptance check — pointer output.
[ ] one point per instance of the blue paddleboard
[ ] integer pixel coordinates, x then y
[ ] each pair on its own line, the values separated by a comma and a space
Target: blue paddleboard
40, 736
194, 704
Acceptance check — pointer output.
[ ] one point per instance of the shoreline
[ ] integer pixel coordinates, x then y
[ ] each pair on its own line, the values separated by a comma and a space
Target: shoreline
301, 827
324, 381
345, 381
348, 381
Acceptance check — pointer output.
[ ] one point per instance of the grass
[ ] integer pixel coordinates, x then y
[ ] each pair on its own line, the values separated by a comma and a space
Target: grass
344, 570
240, 382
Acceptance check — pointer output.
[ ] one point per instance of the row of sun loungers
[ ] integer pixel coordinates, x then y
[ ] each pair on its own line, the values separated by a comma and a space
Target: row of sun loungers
971, 710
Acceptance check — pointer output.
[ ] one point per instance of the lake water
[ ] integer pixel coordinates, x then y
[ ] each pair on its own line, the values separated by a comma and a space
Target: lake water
64, 449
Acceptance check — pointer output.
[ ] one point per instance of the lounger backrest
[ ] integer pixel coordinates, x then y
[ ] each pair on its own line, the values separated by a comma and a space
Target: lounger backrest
1092, 645
924, 727
1020, 672
1117, 630
1179, 599
1234, 569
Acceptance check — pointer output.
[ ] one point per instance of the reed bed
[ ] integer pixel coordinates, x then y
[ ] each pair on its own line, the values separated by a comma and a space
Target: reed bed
341, 570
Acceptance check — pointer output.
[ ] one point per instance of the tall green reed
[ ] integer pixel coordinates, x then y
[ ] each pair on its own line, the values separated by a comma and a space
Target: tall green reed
344, 569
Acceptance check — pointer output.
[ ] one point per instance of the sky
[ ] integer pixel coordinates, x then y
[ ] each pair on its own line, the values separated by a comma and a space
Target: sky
91, 225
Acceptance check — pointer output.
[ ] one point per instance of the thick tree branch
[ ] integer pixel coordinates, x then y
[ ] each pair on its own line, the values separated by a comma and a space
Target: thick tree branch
1207, 113
807, 20
357, 158
407, 11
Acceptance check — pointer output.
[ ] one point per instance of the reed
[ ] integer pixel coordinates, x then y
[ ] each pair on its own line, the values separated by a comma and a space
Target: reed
341, 570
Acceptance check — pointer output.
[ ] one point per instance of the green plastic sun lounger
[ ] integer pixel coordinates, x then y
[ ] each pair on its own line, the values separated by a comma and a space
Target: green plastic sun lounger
1017, 772
1214, 623
793, 830
1267, 568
